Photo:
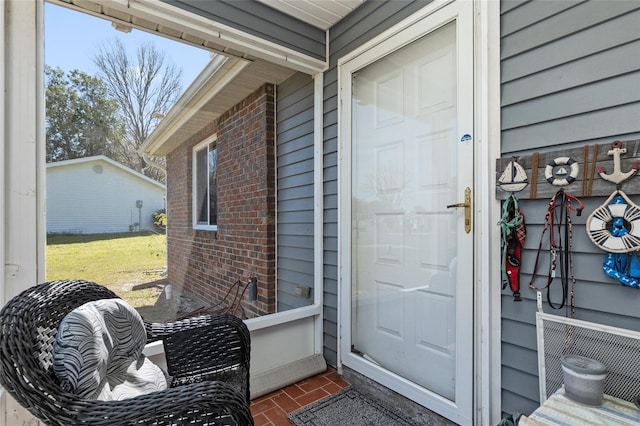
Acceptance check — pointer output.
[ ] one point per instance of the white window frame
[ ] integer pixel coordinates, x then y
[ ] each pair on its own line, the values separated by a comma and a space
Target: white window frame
194, 190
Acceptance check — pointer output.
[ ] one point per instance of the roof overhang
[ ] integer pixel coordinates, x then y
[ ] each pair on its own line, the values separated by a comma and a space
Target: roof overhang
222, 84
169, 21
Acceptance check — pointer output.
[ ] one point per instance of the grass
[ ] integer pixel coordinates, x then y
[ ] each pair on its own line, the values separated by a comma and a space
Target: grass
129, 264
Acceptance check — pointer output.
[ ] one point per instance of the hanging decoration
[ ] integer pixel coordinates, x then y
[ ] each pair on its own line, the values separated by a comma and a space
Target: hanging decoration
513, 178
615, 225
618, 176
558, 224
615, 228
556, 172
513, 237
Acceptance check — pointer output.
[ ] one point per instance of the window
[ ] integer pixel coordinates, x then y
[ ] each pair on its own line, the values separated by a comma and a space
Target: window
205, 185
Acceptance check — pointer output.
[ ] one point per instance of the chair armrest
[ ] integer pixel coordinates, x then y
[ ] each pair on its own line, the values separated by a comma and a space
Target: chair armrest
195, 404
207, 347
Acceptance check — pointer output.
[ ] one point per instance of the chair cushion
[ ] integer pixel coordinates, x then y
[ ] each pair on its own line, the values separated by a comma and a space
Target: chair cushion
98, 352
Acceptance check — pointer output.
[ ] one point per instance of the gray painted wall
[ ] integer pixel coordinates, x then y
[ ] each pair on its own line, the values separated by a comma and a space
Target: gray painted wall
261, 21
294, 158
570, 73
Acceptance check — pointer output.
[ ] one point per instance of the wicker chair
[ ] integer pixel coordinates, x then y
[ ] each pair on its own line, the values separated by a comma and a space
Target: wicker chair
207, 359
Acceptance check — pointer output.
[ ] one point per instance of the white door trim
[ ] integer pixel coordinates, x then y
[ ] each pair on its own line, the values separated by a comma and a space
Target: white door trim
487, 341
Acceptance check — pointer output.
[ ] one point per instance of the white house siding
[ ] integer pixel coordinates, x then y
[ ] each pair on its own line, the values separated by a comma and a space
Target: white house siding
570, 76
97, 195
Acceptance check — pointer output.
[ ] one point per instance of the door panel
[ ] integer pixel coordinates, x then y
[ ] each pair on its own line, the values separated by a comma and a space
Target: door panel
409, 256
404, 117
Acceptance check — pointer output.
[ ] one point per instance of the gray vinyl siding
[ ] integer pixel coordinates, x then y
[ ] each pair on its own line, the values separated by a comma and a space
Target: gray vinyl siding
262, 21
570, 76
364, 23
294, 153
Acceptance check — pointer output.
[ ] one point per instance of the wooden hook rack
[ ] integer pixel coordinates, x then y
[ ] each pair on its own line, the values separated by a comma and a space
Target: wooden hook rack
590, 158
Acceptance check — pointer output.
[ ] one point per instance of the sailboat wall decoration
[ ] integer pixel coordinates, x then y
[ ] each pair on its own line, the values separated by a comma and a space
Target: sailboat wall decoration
513, 178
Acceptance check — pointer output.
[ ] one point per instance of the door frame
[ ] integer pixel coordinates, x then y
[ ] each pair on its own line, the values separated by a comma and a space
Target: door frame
486, 379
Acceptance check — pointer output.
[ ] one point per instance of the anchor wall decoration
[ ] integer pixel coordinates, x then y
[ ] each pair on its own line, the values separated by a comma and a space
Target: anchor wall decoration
618, 176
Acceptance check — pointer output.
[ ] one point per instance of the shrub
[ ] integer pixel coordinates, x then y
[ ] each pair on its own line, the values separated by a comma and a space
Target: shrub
160, 220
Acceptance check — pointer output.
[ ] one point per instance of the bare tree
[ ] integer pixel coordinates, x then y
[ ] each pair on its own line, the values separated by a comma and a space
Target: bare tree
143, 87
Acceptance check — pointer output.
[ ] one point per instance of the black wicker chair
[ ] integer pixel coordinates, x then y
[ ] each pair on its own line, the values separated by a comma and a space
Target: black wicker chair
207, 359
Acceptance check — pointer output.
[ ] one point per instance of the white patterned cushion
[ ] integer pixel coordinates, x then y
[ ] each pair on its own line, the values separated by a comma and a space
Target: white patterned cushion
98, 353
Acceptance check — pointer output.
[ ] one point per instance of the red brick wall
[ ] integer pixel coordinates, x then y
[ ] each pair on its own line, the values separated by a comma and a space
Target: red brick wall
205, 264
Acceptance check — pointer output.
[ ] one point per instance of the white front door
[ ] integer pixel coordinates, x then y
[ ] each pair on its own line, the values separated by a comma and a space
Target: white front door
409, 148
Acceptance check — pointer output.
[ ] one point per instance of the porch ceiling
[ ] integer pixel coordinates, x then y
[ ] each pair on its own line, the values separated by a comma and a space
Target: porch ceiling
319, 13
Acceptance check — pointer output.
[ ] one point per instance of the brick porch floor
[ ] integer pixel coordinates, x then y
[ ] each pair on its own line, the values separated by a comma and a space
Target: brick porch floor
272, 409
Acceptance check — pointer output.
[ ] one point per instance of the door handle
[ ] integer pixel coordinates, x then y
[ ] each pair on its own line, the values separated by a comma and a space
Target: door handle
467, 209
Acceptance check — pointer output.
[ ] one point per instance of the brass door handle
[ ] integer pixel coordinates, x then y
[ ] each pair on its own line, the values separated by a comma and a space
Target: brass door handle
467, 209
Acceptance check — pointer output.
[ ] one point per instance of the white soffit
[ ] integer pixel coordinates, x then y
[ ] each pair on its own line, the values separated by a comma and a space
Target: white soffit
319, 13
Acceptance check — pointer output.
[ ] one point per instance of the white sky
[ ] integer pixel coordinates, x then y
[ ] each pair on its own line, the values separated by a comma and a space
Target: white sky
71, 39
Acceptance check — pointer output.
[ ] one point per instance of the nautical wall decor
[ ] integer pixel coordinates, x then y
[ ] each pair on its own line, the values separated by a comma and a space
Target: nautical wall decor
557, 174
615, 228
615, 225
594, 162
618, 176
513, 178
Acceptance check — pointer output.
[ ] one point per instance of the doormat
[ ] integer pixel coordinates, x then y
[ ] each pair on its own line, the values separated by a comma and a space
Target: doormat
347, 407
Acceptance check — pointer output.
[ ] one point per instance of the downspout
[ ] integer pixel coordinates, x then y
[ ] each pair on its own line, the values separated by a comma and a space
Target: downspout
145, 157
318, 198
318, 207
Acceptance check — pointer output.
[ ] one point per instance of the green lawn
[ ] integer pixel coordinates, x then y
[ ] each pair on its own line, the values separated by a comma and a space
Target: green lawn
129, 264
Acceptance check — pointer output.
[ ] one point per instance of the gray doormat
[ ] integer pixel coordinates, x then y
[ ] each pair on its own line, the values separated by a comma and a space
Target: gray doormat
347, 407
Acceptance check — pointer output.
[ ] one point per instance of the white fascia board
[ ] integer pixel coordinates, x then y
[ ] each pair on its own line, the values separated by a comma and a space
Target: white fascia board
207, 85
215, 32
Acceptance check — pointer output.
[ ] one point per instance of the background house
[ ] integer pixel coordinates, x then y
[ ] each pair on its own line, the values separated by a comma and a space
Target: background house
99, 195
